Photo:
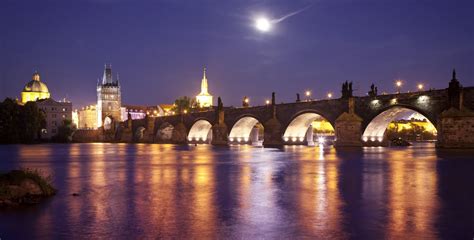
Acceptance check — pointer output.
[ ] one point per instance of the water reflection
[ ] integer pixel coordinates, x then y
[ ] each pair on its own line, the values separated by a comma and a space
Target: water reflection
167, 191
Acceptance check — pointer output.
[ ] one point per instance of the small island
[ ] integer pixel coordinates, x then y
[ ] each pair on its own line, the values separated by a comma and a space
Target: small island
24, 187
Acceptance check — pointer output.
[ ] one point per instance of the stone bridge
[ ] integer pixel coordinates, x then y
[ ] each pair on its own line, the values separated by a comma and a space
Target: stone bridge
357, 121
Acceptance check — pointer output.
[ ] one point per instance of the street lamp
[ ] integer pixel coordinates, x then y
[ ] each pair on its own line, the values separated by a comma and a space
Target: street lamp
185, 111
420, 87
329, 95
267, 102
399, 85
308, 94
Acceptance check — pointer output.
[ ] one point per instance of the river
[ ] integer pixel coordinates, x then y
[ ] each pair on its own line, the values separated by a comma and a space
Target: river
243, 192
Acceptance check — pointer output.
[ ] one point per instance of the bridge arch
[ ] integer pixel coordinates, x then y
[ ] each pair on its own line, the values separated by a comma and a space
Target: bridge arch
300, 130
376, 128
247, 129
200, 131
139, 133
108, 121
164, 132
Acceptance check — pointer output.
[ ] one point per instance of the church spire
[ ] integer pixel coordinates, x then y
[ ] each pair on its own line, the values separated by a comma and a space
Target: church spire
454, 74
204, 89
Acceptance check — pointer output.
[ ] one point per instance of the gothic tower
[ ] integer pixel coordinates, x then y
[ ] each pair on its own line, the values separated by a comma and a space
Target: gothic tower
109, 100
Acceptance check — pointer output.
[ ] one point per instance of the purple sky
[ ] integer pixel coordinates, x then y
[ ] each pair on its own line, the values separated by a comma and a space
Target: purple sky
160, 47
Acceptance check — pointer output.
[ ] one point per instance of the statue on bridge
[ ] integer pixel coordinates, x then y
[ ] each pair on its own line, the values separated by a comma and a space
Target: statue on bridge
346, 90
298, 97
373, 91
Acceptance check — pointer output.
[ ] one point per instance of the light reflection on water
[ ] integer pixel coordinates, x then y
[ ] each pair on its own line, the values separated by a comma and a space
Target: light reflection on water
151, 190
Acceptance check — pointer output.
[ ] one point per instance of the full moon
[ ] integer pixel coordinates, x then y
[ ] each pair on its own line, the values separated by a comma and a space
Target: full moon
262, 24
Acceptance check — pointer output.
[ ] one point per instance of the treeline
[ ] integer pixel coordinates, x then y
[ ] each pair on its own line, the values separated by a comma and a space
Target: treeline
20, 123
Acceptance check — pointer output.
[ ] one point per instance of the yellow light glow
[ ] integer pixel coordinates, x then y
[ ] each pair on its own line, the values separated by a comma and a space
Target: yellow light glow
185, 111
420, 86
267, 102
329, 95
246, 100
399, 83
308, 93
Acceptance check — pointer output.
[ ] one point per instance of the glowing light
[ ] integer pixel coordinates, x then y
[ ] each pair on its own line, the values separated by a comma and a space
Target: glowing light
365, 139
393, 101
263, 24
379, 139
399, 83
372, 139
246, 100
308, 93
238, 139
293, 139
301, 139
329, 95
286, 139
185, 111
231, 139
321, 140
420, 86
246, 139
267, 102
189, 139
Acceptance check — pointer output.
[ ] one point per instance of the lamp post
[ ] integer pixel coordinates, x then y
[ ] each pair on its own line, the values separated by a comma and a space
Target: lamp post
420, 87
399, 85
308, 95
329, 95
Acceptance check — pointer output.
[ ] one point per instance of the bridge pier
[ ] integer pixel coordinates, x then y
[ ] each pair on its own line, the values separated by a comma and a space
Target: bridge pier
456, 129
179, 134
219, 134
272, 134
348, 133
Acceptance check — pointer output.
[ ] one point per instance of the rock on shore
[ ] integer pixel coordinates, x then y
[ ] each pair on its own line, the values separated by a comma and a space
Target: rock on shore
21, 187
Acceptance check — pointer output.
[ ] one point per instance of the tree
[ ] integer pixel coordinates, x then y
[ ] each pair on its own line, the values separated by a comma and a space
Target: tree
183, 103
64, 131
20, 124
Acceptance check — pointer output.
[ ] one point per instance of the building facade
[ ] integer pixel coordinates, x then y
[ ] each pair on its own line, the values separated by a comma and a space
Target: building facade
204, 99
34, 90
55, 113
87, 117
109, 99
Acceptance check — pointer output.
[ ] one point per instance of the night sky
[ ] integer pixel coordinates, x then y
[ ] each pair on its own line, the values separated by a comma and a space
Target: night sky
160, 47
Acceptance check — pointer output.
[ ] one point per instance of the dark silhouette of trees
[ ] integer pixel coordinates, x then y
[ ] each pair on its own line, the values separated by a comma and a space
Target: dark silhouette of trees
64, 131
20, 123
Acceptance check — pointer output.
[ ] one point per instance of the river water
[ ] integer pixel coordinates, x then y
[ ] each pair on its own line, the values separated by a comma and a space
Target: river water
243, 192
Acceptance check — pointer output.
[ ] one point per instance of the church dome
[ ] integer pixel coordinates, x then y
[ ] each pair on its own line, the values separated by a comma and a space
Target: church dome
35, 85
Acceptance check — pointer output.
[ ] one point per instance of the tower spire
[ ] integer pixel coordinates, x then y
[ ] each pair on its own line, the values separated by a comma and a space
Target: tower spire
204, 89
454, 73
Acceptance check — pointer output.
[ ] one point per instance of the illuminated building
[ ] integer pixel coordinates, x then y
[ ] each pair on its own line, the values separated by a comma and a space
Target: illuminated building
140, 112
109, 99
87, 117
34, 90
204, 99
55, 113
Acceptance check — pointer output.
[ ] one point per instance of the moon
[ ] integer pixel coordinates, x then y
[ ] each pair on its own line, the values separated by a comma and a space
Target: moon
263, 24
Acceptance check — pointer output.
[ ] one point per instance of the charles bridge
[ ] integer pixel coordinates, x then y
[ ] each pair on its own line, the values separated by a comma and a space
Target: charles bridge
357, 121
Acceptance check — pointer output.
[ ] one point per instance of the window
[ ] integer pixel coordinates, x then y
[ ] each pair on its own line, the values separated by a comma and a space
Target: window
64, 109
53, 115
53, 130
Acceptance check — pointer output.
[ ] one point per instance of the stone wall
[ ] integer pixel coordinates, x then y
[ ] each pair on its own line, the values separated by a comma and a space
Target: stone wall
456, 129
